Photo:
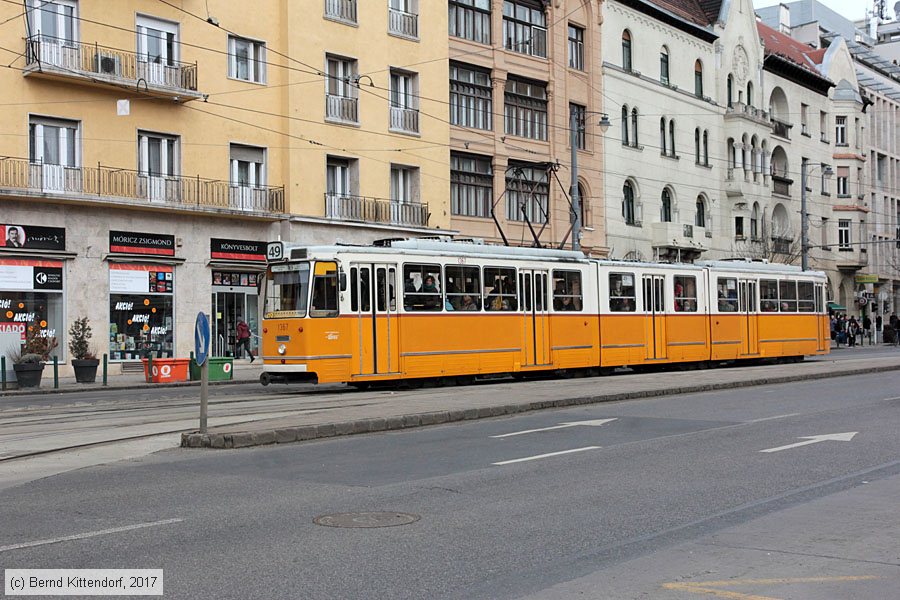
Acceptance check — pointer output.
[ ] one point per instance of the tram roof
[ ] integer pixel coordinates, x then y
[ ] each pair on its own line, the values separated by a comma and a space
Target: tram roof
439, 247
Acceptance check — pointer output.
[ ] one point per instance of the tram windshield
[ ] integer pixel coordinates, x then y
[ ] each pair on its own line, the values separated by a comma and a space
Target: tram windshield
287, 290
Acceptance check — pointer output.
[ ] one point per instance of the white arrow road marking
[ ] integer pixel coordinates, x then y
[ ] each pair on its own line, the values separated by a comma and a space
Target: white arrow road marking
593, 423
540, 456
815, 439
90, 534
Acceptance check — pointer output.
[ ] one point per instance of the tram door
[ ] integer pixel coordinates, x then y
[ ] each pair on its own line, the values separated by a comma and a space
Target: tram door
823, 329
747, 306
533, 292
655, 307
373, 299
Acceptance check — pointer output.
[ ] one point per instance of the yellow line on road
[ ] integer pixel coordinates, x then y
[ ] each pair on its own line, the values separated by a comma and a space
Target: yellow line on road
709, 587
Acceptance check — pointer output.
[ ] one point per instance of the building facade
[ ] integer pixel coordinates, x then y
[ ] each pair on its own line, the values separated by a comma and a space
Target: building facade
149, 151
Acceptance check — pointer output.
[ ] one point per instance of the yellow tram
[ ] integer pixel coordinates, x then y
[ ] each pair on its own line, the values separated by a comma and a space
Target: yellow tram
423, 308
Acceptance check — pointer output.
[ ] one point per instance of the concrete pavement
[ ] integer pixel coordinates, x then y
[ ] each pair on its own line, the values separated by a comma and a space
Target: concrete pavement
390, 410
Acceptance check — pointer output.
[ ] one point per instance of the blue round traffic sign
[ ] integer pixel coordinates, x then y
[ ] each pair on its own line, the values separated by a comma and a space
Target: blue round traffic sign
201, 338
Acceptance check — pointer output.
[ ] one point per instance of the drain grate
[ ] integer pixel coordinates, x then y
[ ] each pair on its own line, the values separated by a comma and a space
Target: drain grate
366, 519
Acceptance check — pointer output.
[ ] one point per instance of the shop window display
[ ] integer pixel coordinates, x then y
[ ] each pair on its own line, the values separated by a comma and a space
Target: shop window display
40, 310
141, 324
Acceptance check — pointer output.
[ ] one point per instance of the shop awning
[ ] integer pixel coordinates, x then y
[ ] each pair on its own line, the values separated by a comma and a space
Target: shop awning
835, 306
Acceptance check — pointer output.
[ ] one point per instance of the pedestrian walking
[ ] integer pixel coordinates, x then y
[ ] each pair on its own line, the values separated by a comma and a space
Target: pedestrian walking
879, 322
867, 329
242, 333
852, 332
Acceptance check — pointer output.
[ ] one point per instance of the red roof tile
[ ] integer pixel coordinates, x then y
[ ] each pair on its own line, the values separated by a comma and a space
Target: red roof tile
689, 10
789, 48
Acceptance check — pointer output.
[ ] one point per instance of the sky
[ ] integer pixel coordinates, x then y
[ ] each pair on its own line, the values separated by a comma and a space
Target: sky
852, 9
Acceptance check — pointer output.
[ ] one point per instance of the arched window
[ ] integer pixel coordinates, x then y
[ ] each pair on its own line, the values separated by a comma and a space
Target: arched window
754, 156
706, 147
698, 78
634, 127
749, 93
662, 135
754, 222
730, 90
625, 124
730, 153
626, 50
697, 145
583, 201
664, 65
628, 203
672, 137
665, 214
700, 216
745, 163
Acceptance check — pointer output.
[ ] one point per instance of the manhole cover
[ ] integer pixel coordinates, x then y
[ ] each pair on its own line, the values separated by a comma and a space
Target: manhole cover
366, 519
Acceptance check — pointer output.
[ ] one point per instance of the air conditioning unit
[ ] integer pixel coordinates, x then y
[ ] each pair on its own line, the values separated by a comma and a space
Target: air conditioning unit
108, 64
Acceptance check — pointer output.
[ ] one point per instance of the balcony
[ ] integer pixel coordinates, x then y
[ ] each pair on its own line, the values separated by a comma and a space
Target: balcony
781, 129
121, 185
341, 10
404, 119
55, 58
403, 23
375, 210
678, 242
734, 182
851, 258
739, 110
342, 109
781, 185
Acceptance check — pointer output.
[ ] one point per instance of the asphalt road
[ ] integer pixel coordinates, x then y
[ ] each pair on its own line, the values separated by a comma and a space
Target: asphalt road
669, 491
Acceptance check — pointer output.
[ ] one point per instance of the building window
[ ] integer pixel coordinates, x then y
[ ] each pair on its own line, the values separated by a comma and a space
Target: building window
340, 100
749, 93
804, 119
662, 136
404, 101
248, 166
626, 50
578, 112
527, 193
706, 147
840, 131
471, 185
823, 126
157, 44
843, 181
470, 20
141, 324
525, 27
158, 159
697, 145
665, 214
754, 222
339, 180
739, 227
844, 235
525, 109
341, 10
53, 145
246, 59
625, 124
672, 152
700, 215
471, 97
634, 127
730, 90
54, 23
403, 18
576, 47
664, 65
698, 79
404, 185
628, 204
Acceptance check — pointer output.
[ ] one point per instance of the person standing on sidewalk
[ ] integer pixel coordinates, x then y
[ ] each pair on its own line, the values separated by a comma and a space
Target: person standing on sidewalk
867, 330
852, 332
242, 333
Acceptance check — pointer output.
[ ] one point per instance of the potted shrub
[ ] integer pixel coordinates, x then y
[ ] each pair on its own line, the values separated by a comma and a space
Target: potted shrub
83, 360
28, 363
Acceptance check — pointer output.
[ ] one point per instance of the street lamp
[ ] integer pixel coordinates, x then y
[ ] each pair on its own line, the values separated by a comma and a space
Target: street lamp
827, 172
574, 128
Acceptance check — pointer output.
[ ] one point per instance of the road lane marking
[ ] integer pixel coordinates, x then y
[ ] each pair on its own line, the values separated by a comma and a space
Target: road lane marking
711, 587
815, 439
89, 534
774, 418
540, 456
591, 423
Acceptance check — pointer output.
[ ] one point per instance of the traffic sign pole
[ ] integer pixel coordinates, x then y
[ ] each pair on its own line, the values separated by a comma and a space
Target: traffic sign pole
201, 349
204, 395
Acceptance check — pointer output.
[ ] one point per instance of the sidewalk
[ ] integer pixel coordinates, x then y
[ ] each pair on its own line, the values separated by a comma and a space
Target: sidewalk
389, 410
244, 372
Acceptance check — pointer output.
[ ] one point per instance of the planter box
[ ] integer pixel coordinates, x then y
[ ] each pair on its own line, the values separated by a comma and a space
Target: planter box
28, 375
166, 370
85, 370
220, 369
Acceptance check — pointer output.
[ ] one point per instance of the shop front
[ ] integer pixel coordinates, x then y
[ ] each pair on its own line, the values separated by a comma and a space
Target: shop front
237, 267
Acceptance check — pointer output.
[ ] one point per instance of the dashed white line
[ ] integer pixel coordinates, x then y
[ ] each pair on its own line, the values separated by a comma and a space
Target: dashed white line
540, 456
89, 534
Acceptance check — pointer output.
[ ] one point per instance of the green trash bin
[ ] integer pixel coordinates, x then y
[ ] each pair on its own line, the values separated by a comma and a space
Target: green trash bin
221, 368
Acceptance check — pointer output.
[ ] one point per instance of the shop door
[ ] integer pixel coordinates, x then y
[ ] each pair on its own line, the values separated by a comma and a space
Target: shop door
747, 306
373, 298
536, 322
229, 308
655, 323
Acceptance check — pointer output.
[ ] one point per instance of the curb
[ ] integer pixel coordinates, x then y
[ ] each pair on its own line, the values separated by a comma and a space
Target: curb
300, 433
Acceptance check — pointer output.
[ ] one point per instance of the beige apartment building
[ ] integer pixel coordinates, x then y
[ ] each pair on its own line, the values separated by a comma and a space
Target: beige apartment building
150, 149
518, 69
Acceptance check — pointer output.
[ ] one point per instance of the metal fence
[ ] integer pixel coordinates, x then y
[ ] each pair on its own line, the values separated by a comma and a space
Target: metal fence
342, 108
374, 210
341, 9
405, 119
403, 23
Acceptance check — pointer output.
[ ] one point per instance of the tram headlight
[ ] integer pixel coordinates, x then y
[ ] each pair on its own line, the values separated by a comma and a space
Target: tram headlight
282, 349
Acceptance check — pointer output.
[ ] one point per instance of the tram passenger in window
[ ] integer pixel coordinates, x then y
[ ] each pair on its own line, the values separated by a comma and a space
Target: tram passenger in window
433, 300
724, 304
679, 297
468, 303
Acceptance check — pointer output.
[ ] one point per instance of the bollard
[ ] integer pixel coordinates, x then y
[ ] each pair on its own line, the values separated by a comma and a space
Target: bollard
105, 358
3, 371
55, 372
150, 367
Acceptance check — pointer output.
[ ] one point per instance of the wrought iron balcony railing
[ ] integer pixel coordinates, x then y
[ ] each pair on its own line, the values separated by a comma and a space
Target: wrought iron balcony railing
403, 23
344, 10
94, 63
122, 184
375, 210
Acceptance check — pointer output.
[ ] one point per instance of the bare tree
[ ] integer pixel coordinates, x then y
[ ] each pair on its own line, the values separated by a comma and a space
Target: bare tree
778, 246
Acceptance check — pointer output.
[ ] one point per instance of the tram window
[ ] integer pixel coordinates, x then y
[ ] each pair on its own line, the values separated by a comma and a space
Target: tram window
500, 289
354, 289
325, 290
685, 292
540, 292
463, 288
621, 292
787, 292
806, 296
365, 294
768, 295
287, 290
726, 293
421, 287
392, 292
566, 290
380, 303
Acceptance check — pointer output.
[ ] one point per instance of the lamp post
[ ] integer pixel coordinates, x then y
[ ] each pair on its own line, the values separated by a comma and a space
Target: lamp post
575, 126
827, 172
